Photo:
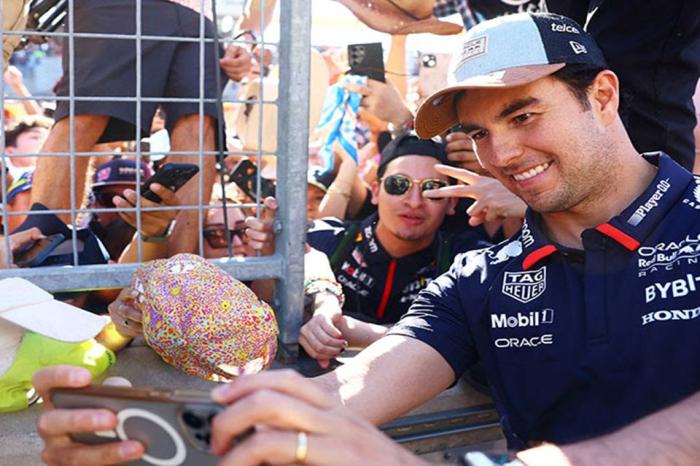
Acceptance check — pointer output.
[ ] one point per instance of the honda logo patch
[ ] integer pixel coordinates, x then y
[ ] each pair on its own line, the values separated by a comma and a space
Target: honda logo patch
525, 286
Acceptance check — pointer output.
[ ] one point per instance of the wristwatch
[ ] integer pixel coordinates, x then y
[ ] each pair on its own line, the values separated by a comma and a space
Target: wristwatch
162, 238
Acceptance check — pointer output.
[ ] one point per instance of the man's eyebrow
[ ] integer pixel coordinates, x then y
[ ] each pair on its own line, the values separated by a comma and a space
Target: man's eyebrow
516, 105
507, 110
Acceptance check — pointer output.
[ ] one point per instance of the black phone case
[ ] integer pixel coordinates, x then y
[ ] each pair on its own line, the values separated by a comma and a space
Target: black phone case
27, 257
174, 426
367, 60
171, 175
245, 175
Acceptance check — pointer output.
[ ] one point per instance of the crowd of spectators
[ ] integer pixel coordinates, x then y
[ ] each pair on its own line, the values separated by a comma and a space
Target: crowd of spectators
387, 211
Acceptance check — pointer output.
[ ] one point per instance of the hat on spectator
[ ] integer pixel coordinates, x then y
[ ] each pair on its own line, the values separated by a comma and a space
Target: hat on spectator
401, 16
21, 184
119, 171
203, 321
317, 177
508, 51
37, 331
409, 144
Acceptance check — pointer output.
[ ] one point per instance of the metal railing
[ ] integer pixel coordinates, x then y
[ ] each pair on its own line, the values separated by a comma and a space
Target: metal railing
286, 265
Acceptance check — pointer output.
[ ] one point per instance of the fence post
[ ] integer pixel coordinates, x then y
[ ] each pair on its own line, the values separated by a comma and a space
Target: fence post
292, 161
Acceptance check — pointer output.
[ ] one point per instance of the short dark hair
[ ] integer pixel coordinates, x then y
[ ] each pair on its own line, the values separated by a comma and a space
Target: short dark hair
27, 124
578, 78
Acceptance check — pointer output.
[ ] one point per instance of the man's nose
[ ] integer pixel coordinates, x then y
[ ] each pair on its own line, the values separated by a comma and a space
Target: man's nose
414, 196
502, 150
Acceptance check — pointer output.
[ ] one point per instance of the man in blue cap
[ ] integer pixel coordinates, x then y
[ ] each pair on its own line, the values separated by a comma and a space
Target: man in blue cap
582, 319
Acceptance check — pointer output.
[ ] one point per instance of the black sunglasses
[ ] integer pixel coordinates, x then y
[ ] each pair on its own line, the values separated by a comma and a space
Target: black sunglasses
103, 198
215, 234
398, 184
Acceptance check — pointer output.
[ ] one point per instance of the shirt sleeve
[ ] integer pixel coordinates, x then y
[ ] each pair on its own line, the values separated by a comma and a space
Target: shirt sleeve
437, 317
325, 235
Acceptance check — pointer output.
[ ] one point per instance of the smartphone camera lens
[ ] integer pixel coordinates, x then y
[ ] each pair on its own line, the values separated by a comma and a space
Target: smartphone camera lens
429, 61
192, 420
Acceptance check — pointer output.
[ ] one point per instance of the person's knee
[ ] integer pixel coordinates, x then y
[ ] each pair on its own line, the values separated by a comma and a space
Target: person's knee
83, 124
190, 123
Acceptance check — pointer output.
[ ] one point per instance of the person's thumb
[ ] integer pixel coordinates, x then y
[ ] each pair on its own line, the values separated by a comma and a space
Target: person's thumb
269, 209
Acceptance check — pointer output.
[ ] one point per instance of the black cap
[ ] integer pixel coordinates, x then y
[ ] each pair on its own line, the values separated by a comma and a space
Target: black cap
410, 144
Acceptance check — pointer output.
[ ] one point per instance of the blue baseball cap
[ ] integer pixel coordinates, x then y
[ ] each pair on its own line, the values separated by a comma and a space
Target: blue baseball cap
508, 51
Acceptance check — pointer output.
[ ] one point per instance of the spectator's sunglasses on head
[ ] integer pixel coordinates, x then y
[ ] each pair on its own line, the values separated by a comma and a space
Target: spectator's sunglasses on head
398, 185
215, 233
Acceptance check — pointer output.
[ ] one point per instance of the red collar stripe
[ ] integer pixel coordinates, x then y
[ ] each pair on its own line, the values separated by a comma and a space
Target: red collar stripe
537, 255
619, 236
387, 289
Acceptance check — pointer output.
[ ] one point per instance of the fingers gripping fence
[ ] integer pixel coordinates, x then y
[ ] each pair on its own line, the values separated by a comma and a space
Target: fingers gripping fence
286, 265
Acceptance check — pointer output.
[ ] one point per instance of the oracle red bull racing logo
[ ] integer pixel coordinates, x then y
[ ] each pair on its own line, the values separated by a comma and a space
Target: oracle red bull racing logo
525, 286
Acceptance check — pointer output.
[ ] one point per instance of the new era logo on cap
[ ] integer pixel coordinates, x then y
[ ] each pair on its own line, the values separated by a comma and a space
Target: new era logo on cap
577, 48
508, 51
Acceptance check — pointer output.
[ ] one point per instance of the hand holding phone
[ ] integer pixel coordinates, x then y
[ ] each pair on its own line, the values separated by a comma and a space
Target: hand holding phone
171, 175
173, 426
34, 252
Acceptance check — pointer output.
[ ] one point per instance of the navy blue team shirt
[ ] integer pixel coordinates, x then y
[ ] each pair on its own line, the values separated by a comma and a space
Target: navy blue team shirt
577, 343
377, 287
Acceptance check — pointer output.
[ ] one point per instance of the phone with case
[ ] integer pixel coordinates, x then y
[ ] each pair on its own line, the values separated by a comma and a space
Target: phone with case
171, 175
173, 425
245, 175
367, 60
35, 252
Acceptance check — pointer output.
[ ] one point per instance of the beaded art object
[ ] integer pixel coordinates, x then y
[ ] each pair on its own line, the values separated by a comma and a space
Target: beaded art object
203, 321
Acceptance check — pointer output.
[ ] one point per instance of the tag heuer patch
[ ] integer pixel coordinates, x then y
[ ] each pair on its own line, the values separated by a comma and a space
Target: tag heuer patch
525, 286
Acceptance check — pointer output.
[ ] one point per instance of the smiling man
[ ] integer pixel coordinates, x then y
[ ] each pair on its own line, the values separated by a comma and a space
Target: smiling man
582, 319
384, 261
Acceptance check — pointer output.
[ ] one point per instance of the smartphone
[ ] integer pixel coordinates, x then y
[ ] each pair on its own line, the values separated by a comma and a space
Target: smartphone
35, 252
173, 425
367, 60
171, 175
245, 175
432, 73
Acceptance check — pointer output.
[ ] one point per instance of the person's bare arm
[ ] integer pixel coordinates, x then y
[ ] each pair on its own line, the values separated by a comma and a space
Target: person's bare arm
668, 437
373, 385
252, 15
396, 64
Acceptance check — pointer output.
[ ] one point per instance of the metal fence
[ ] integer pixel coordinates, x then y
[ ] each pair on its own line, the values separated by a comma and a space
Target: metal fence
286, 265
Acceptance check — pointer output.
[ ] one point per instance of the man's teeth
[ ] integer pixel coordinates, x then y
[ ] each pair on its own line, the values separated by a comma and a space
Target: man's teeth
526, 175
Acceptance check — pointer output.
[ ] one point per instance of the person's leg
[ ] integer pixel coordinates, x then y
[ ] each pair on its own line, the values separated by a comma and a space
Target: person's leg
183, 122
185, 137
51, 184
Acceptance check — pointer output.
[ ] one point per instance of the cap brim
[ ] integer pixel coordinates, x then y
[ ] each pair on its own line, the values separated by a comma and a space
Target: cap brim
56, 320
437, 113
10, 339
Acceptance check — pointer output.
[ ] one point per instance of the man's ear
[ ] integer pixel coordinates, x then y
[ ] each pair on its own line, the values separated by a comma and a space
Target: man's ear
375, 192
604, 94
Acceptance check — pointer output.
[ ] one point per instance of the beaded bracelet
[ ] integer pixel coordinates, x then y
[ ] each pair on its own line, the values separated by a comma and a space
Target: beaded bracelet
317, 285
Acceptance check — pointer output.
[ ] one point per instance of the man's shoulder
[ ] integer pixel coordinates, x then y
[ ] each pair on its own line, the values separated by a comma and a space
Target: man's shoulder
486, 263
326, 233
